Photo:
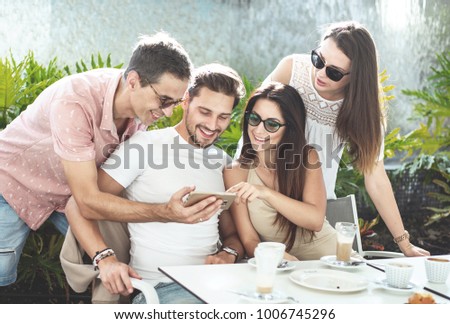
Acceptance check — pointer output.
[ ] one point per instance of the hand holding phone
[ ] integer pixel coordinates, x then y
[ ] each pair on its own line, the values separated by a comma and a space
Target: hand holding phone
196, 196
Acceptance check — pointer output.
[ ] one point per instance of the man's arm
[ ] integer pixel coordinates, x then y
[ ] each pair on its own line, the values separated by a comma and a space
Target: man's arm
97, 198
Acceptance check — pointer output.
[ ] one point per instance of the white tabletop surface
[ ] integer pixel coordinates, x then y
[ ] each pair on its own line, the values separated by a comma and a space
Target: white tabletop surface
214, 284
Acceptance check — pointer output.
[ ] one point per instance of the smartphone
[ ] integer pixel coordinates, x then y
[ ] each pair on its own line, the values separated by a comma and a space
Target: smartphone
196, 196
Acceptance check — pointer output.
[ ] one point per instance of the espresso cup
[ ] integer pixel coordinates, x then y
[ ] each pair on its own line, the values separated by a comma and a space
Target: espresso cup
398, 274
437, 269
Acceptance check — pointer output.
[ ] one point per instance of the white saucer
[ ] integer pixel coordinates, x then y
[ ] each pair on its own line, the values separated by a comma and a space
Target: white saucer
330, 260
273, 298
289, 265
407, 290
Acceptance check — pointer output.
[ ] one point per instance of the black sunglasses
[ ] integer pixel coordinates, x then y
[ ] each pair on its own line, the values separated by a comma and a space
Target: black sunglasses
270, 124
332, 73
165, 102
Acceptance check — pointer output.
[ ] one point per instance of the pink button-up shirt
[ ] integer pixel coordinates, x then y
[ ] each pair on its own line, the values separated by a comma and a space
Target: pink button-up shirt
71, 120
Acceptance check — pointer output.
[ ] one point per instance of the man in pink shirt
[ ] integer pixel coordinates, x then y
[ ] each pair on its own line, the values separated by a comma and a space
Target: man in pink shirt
53, 149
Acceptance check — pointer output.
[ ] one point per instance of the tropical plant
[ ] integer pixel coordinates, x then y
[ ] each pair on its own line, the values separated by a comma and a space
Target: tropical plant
95, 64
40, 259
434, 106
366, 230
21, 82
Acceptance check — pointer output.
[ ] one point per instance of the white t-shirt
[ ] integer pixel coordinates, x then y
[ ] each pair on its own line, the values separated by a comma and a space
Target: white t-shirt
152, 166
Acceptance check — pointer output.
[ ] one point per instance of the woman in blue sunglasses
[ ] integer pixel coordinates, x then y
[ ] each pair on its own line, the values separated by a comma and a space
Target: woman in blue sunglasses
278, 180
339, 85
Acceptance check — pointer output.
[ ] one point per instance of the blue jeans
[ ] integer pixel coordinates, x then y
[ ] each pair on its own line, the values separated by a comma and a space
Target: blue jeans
170, 293
13, 235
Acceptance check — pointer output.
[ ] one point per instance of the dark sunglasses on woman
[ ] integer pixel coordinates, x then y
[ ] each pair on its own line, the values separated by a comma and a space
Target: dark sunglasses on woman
270, 124
332, 73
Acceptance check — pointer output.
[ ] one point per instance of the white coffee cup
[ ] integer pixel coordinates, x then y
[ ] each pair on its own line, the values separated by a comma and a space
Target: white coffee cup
398, 274
437, 269
279, 247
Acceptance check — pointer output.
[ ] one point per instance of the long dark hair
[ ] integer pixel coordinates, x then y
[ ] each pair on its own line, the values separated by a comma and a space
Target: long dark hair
291, 153
359, 121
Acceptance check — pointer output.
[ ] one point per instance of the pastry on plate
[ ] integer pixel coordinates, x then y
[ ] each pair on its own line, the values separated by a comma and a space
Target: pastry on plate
421, 298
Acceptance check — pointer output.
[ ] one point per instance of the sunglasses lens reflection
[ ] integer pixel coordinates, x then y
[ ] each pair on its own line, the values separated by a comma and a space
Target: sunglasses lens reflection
270, 125
316, 60
332, 73
254, 120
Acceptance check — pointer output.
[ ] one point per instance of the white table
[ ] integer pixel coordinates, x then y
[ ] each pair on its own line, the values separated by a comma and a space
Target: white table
214, 283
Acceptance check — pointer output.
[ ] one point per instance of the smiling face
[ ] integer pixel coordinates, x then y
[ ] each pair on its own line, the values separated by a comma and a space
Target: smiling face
146, 101
333, 57
260, 138
206, 117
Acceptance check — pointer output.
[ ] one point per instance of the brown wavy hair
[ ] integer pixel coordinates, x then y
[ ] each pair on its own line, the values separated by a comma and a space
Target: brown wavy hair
291, 153
360, 120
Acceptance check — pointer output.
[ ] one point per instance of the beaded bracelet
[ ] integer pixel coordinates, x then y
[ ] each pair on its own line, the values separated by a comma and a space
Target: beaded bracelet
404, 236
100, 255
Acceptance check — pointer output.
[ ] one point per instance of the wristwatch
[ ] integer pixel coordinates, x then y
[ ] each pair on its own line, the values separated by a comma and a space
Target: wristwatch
231, 251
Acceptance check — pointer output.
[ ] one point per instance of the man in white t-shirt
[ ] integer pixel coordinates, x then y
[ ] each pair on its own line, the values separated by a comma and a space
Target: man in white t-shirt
151, 166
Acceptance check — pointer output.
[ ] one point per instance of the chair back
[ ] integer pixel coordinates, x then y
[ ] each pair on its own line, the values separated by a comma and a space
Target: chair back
344, 210
151, 297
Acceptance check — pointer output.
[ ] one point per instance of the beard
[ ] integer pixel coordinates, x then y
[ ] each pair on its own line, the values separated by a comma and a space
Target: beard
195, 140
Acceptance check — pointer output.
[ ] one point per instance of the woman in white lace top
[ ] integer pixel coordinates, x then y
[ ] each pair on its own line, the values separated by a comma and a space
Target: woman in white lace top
339, 85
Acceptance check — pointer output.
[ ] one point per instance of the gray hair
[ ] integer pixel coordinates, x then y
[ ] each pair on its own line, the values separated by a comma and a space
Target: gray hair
156, 55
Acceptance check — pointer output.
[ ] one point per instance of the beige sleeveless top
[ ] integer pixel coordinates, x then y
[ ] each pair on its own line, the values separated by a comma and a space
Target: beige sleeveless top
263, 216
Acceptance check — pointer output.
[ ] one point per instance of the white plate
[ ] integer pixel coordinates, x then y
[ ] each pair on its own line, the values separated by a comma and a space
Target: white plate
289, 265
273, 298
407, 290
329, 280
330, 260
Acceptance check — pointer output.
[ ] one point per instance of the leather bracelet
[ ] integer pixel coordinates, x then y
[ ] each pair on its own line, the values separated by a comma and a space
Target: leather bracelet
100, 255
404, 236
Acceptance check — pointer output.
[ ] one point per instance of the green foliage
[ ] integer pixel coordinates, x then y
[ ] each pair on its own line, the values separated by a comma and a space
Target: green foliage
433, 105
438, 164
440, 213
367, 234
95, 64
21, 82
40, 259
